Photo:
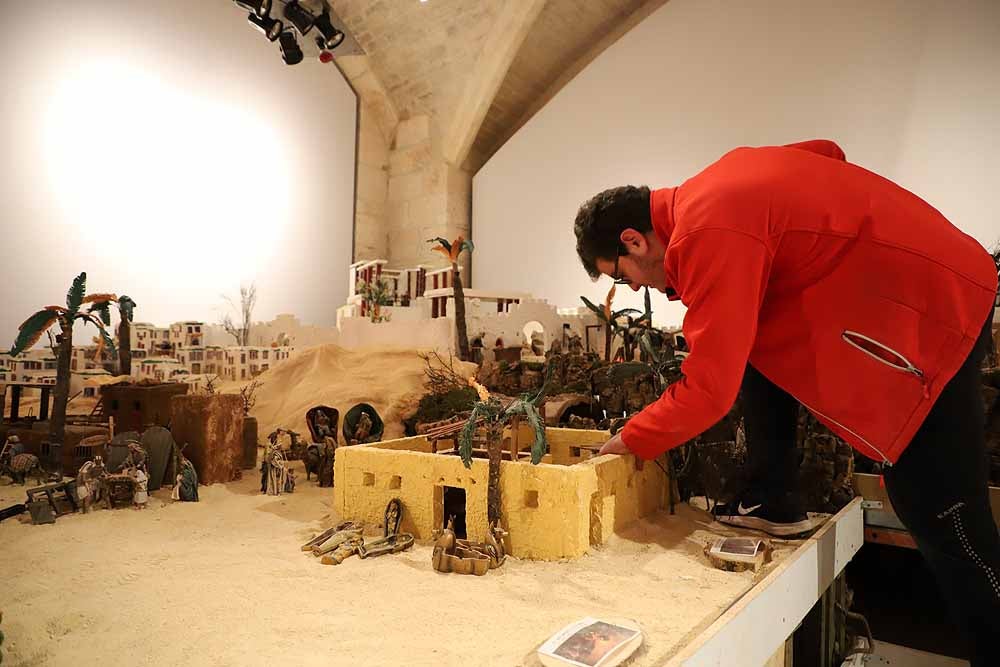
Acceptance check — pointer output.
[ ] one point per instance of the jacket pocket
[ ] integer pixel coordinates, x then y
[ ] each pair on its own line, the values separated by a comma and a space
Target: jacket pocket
884, 354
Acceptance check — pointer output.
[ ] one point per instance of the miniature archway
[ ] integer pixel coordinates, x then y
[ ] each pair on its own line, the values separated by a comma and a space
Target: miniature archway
536, 330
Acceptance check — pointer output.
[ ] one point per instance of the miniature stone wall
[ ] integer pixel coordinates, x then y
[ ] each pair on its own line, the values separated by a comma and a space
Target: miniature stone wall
557, 509
212, 428
136, 406
430, 334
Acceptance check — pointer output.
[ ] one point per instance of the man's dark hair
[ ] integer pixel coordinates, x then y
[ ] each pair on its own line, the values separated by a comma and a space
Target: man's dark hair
602, 219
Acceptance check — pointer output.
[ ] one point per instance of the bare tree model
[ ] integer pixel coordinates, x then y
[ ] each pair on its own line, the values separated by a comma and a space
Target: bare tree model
248, 299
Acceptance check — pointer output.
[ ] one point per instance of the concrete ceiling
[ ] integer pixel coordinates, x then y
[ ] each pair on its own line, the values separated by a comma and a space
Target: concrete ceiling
482, 68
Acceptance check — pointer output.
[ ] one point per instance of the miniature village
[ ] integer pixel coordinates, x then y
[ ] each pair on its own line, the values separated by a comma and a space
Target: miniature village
492, 455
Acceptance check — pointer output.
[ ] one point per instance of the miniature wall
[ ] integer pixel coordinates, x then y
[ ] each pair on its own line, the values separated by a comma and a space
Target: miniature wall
429, 334
135, 407
550, 511
481, 317
212, 429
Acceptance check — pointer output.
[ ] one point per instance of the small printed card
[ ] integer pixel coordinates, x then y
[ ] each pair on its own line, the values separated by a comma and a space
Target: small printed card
591, 642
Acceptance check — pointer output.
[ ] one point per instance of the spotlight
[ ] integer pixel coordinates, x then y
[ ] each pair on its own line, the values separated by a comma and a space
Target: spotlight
332, 37
259, 7
270, 27
290, 51
299, 16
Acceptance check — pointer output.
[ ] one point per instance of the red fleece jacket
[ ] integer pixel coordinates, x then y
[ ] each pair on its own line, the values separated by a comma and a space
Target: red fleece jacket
852, 294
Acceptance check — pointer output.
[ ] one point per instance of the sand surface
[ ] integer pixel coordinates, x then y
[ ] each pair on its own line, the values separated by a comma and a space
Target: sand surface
223, 582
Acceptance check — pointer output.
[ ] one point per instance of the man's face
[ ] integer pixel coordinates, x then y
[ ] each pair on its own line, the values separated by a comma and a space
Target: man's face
642, 266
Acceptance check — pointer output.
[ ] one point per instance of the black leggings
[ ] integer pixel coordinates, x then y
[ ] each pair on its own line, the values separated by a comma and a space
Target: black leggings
938, 489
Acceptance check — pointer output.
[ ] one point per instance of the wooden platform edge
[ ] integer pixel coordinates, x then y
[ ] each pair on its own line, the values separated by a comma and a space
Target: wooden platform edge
754, 627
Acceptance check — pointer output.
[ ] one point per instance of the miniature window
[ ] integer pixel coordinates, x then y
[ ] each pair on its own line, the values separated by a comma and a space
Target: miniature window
531, 498
395, 482
575, 452
369, 479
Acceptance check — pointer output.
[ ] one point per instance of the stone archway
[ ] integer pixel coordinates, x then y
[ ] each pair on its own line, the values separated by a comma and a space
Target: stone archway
535, 337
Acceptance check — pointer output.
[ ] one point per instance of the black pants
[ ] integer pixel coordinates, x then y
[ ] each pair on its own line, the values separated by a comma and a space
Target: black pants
938, 488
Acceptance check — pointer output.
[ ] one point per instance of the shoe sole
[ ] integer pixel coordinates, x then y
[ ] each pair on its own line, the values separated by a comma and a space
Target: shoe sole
776, 529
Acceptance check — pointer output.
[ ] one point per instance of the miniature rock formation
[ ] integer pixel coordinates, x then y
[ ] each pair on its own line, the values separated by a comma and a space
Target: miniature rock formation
212, 426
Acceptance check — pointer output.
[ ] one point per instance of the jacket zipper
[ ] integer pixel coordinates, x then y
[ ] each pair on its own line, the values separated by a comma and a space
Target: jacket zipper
905, 367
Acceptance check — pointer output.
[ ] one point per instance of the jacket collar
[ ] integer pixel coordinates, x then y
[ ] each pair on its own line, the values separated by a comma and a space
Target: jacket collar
661, 212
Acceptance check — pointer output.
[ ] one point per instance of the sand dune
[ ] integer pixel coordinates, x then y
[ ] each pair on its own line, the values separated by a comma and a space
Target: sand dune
392, 380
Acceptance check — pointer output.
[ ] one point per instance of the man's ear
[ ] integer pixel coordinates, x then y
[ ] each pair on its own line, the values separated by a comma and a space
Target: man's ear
634, 241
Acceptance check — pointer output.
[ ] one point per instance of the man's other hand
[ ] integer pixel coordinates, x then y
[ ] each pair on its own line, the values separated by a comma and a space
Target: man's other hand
617, 446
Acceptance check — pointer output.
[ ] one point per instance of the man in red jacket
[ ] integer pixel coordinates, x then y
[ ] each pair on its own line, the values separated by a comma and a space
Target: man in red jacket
809, 280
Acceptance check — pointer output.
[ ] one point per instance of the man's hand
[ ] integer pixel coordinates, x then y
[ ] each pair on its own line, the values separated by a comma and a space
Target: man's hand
617, 446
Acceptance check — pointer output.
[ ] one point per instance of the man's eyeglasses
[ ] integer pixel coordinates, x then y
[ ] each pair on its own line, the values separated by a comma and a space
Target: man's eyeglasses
616, 276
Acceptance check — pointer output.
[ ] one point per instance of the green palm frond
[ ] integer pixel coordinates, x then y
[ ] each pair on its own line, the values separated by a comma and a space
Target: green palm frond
32, 329
103, 309
540, 395
624, 311
125, 307
74, 297
646, 343
597, 310
619, 373
479, 410
540, 446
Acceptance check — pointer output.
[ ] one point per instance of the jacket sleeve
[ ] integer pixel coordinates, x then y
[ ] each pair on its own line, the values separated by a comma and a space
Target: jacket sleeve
823, 147
723, 275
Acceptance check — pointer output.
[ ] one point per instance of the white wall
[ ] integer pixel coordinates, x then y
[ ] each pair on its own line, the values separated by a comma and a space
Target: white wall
165, 148
909, 88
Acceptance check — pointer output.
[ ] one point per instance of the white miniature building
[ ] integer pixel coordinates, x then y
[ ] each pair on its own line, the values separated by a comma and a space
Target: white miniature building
422, 307
159, 369
86, 381
149, 341
32, 366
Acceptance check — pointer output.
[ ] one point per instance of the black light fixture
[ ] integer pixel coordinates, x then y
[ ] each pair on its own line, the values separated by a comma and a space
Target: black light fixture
291, 53
299, 16
332, 37
270, 27
261, 8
